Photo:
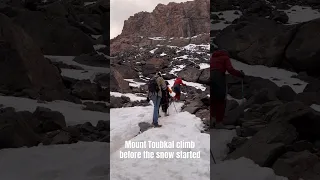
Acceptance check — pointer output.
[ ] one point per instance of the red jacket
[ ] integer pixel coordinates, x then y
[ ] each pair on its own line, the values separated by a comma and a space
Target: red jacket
178, 81
220, 61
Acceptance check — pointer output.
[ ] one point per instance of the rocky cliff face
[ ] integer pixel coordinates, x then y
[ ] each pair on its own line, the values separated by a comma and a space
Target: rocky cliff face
172, 20
177, 20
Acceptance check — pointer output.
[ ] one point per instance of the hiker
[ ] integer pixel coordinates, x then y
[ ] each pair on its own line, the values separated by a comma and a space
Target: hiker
165, 100
219, 64
156, 88
177, 88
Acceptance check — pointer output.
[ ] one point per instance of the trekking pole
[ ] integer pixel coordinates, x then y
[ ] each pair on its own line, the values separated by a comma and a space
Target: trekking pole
213, 157
175, 107
242, 89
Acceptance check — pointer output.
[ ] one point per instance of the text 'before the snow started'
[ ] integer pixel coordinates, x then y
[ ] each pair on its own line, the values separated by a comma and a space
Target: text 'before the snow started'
152, 149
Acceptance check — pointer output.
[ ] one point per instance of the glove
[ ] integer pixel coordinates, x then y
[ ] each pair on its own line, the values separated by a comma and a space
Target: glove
242, 74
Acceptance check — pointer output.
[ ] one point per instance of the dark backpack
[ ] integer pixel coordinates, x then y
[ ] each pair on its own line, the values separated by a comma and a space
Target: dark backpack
153, 86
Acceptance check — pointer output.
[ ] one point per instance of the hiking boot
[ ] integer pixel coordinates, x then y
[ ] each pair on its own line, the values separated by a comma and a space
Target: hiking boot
157, 125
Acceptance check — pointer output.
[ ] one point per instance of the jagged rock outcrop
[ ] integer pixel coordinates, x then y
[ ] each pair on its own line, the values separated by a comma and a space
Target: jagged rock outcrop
173, 20
187, 20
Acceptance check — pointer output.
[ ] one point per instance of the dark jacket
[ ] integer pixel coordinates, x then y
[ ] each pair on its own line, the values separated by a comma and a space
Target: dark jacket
219, 64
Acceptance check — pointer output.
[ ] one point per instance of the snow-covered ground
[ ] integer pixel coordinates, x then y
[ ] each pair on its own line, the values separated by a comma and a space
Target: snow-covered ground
298, 14
179, 126
228, 16
81, 161
279, 76
89, 72
132, 97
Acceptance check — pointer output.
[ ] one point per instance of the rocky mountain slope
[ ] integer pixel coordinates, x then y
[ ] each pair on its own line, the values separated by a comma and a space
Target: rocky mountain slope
266, 35
278, 125
47, 51
143, 49
185, 20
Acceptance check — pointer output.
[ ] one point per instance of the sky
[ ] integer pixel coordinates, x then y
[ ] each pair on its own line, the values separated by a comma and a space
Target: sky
121, 10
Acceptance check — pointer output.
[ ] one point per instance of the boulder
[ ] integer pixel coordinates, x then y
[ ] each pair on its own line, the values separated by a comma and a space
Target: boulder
15, 131
100, 107
193, 107
22, 65
204, 78
280, 16
301, 53
48, 120
190, 74
298, 165
308, 98
103, 125
126, 71
286, 93
103, 79
256, 41
154, 65
266, 146
86, 90
118, 102
56, 36
117, 82
236, 143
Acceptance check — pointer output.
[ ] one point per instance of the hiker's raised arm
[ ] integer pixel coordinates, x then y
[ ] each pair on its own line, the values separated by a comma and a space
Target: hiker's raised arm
230, 68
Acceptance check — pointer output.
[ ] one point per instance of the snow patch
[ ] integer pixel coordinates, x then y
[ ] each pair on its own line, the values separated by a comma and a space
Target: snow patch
194, 47
279, 76
163, 54
132, 97
228, 16
315, 107
89, 72
81, 161
299, 14
89, 3
134, 83
157, 38
99, 46
177, 68
152, 51
204, 66
95, 36
181, 57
